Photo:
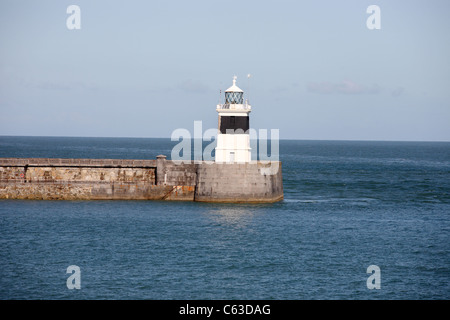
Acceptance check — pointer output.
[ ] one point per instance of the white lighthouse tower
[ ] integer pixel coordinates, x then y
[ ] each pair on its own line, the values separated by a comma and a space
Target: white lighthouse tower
233, 138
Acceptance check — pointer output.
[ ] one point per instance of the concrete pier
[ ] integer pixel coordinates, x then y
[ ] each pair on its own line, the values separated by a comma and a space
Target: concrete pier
246, 182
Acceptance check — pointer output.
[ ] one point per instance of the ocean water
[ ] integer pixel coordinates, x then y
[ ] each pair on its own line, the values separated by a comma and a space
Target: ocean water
348, 205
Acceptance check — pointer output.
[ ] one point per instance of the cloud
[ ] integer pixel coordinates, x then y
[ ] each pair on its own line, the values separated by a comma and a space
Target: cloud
193, 86
397, 91
47, 85
343, 87
52, 85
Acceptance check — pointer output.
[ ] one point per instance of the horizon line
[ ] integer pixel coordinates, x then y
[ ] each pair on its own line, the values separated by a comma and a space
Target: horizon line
134, 137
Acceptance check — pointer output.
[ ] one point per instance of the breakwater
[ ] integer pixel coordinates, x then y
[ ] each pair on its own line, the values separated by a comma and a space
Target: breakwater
122, 179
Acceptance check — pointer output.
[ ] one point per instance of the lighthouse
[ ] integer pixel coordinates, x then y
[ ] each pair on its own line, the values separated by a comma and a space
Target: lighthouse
233, 138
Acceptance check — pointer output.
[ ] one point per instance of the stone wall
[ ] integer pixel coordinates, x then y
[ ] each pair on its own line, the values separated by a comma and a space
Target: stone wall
160, 179
87, 179
76, 162
77, 174
174, 173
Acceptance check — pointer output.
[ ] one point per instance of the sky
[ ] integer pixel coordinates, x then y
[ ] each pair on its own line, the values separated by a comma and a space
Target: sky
146, 68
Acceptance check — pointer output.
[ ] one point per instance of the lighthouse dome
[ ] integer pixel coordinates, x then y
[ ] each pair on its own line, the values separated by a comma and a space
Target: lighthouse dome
234, 94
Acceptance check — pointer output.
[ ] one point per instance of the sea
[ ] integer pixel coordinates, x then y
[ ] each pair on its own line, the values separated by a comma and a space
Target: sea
360, 220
